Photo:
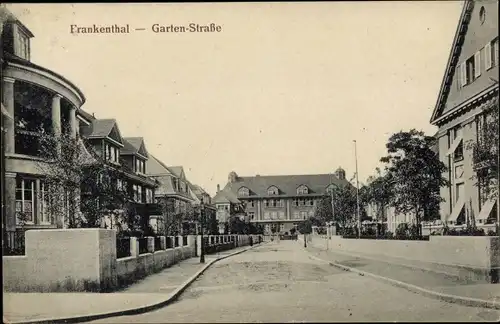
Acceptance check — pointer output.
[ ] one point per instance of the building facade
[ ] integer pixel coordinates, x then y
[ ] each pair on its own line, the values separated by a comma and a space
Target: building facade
469, 85
37, 100
279, 203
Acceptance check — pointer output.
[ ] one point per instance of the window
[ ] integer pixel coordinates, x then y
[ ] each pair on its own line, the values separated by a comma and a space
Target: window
282, 227
23, 45
459, 191
274, 215
281, 215
149, 195
251, 203
311, 202
302, 190
251, 215
111, 153
267, 215
494, 52
470, 70
266, 203
458, 155
25, 195
303, 214
296, 215
482, 15
137, 193
243, 191
140, 166
272, 190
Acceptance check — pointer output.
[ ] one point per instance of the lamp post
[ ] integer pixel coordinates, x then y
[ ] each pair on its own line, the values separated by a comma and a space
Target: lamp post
305, 242
357, 189
202, 221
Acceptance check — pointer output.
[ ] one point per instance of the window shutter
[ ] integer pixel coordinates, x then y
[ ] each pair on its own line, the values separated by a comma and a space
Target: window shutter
487, 56
463, 74
477, 64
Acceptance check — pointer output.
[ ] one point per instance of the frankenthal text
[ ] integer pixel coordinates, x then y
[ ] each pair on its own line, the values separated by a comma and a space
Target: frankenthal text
97, 29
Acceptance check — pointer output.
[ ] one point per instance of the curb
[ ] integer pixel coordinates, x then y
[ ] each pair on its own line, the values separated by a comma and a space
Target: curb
473, 302
172, 297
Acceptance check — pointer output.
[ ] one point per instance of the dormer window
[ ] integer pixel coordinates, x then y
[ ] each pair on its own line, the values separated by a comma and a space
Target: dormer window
272, 191
243, 192
22, 45
140, 166
302, 190
111, 153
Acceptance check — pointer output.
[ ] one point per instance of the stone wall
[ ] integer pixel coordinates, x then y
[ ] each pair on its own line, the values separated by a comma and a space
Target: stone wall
476, 256
63, 260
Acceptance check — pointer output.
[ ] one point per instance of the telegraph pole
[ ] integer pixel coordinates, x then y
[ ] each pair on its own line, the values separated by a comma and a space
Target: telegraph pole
357, 189
202, 244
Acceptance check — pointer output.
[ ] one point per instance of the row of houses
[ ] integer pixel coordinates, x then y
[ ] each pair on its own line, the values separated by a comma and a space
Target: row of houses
37, 101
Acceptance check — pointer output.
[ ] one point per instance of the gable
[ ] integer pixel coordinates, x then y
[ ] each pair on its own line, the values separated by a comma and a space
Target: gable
142, 150
470, 43
114, 134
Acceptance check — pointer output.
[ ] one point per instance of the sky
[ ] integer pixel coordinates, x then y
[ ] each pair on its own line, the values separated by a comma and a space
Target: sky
284, 88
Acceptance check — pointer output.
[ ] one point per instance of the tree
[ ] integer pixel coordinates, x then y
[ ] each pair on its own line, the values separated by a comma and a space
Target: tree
305, 227
73, 170
485, 151
378, 193
415, 174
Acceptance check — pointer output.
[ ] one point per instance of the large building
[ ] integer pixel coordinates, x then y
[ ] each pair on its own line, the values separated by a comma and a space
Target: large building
470, 83
279, 203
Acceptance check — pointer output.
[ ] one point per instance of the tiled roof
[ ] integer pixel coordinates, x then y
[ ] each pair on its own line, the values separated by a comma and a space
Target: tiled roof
286, 184
85, 115
99, 128
132, 145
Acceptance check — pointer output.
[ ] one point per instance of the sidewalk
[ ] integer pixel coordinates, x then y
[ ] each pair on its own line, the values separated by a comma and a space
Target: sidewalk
430, 280
154, 289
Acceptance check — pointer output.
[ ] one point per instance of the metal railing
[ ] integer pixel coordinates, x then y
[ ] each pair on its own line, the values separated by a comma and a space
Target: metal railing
13, 243
158, 246
143, 245
123, 247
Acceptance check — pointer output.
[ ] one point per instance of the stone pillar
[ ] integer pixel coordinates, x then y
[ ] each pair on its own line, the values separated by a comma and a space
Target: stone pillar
10, 201
8, 102
73, 122
134, 247
56, 118
151, 244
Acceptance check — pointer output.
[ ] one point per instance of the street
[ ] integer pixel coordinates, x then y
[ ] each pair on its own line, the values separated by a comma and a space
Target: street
280, 282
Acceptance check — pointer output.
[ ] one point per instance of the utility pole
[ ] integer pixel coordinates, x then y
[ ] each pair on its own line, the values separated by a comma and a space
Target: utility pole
357, 189
202, 244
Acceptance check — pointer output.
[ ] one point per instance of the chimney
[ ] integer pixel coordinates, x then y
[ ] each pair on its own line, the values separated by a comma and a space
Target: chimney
218, 187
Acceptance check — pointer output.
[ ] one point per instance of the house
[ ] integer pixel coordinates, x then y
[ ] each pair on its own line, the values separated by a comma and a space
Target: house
278, 202
36, 100
127, 156
470, 83
173, 193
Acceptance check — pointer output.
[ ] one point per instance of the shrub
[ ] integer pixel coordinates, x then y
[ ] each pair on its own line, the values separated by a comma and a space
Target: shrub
491, 233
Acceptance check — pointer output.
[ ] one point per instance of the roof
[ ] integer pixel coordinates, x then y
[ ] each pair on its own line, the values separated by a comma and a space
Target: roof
225, 196
286, 184
453, 59
178, 171
155, 167
99, 128
134, 145
85, 115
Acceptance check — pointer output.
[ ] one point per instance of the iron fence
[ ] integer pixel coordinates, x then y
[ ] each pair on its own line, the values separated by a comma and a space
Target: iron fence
123, 247
158, 246
143, 245
13, 243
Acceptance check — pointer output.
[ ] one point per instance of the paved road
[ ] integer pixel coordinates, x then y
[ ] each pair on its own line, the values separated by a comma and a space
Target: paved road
279, 282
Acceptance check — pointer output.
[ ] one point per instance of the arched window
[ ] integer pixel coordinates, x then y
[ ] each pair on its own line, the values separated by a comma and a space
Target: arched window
302, 190
243, 191
273, 190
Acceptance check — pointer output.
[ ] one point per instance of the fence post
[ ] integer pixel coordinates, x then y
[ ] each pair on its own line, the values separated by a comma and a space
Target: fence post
151, 244
134, 247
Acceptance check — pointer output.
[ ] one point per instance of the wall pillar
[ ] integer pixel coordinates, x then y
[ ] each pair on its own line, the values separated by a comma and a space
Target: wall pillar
56, 118
8, 102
